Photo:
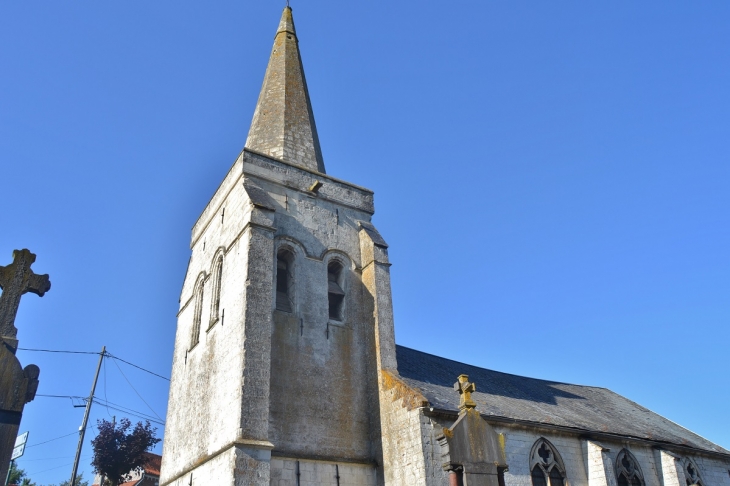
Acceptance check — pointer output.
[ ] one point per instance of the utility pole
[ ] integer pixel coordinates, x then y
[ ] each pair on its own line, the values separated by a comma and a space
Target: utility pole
82, 430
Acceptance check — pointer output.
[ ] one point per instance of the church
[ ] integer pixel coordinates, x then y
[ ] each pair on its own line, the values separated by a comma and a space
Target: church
286, 370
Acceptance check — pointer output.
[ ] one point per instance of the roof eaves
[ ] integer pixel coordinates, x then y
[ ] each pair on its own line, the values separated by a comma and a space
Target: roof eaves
583, 433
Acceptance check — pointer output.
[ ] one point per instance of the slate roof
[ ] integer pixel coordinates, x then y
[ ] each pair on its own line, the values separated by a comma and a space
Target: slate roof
283, 123
512, 397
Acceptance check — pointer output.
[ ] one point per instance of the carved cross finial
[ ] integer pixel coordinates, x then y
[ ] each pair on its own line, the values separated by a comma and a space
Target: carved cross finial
465, 389
15, 280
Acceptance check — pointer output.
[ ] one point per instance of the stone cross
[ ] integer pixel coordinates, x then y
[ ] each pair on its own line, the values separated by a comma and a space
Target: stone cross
15, 280
465, 389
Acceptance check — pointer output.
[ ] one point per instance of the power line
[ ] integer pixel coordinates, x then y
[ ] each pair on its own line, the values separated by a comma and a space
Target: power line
94, 352
58, 396
57, 351
109, 405
138, 367
135, 391
131, 412
57, 438
42, 459
105, 398
51, 469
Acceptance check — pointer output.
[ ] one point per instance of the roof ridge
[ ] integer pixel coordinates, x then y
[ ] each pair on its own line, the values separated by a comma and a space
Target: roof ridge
503, 372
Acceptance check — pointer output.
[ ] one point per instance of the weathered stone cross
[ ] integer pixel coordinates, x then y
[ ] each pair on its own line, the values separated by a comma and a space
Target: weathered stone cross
465, 389
15, 280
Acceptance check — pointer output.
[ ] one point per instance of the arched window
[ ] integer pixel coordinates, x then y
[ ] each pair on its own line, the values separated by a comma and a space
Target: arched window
197, 311
284, 280
335, 294
692, 473
546, 465
216, 300
628, 471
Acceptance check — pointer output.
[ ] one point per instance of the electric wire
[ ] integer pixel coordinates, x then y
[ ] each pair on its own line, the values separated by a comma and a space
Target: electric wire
42, 459
59, 396
105, 398
135, 391
133, 413
109, 405
95, 352
138, 367
58, 467
57, 438
125, 408
58, 351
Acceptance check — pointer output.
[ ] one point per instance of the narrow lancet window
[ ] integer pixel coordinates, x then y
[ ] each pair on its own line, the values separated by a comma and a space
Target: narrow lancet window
284, 281
216, 300
628, 471
335, 293
546, 465
197, 312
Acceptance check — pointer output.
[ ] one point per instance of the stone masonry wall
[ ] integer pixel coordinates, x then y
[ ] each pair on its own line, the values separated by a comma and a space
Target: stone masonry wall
405, 448
226, 373
319, 473
319, 365
591, 463
207, 375
220, 387
218, 471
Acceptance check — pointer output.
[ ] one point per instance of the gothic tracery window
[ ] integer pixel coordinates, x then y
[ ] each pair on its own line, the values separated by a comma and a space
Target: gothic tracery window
546, 465
628, 471
197, 311
692, 474
335, 294
216, 300
284, 280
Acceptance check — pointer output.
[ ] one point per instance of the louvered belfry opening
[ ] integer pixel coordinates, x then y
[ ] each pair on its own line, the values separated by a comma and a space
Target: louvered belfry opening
335, 293
284, 280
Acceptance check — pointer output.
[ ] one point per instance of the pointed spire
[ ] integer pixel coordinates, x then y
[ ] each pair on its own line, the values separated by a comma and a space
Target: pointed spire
283, 123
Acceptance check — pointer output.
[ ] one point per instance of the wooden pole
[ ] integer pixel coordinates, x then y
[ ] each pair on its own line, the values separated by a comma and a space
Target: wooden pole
82, 430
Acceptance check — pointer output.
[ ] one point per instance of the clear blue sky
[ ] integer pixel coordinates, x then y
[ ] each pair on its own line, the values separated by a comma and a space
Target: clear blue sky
552, 178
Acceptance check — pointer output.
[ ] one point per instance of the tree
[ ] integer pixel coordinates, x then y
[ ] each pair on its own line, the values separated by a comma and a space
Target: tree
79, 481
18, 476
118, 451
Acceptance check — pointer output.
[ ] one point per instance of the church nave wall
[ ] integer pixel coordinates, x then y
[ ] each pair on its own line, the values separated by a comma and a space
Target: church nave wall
285, 471
594, 463
519, 443
714, 471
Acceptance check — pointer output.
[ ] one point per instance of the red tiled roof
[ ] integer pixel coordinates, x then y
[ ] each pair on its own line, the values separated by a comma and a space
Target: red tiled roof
153, 465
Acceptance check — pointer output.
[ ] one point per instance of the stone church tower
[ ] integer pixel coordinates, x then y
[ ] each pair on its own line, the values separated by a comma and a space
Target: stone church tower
285, 313
286, 371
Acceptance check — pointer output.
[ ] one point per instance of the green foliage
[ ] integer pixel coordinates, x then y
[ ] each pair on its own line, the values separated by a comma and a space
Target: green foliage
79, 481
19, 476
16, 474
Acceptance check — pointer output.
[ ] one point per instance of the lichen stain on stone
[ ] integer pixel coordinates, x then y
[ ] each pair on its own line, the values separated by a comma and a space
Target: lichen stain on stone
411, 397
